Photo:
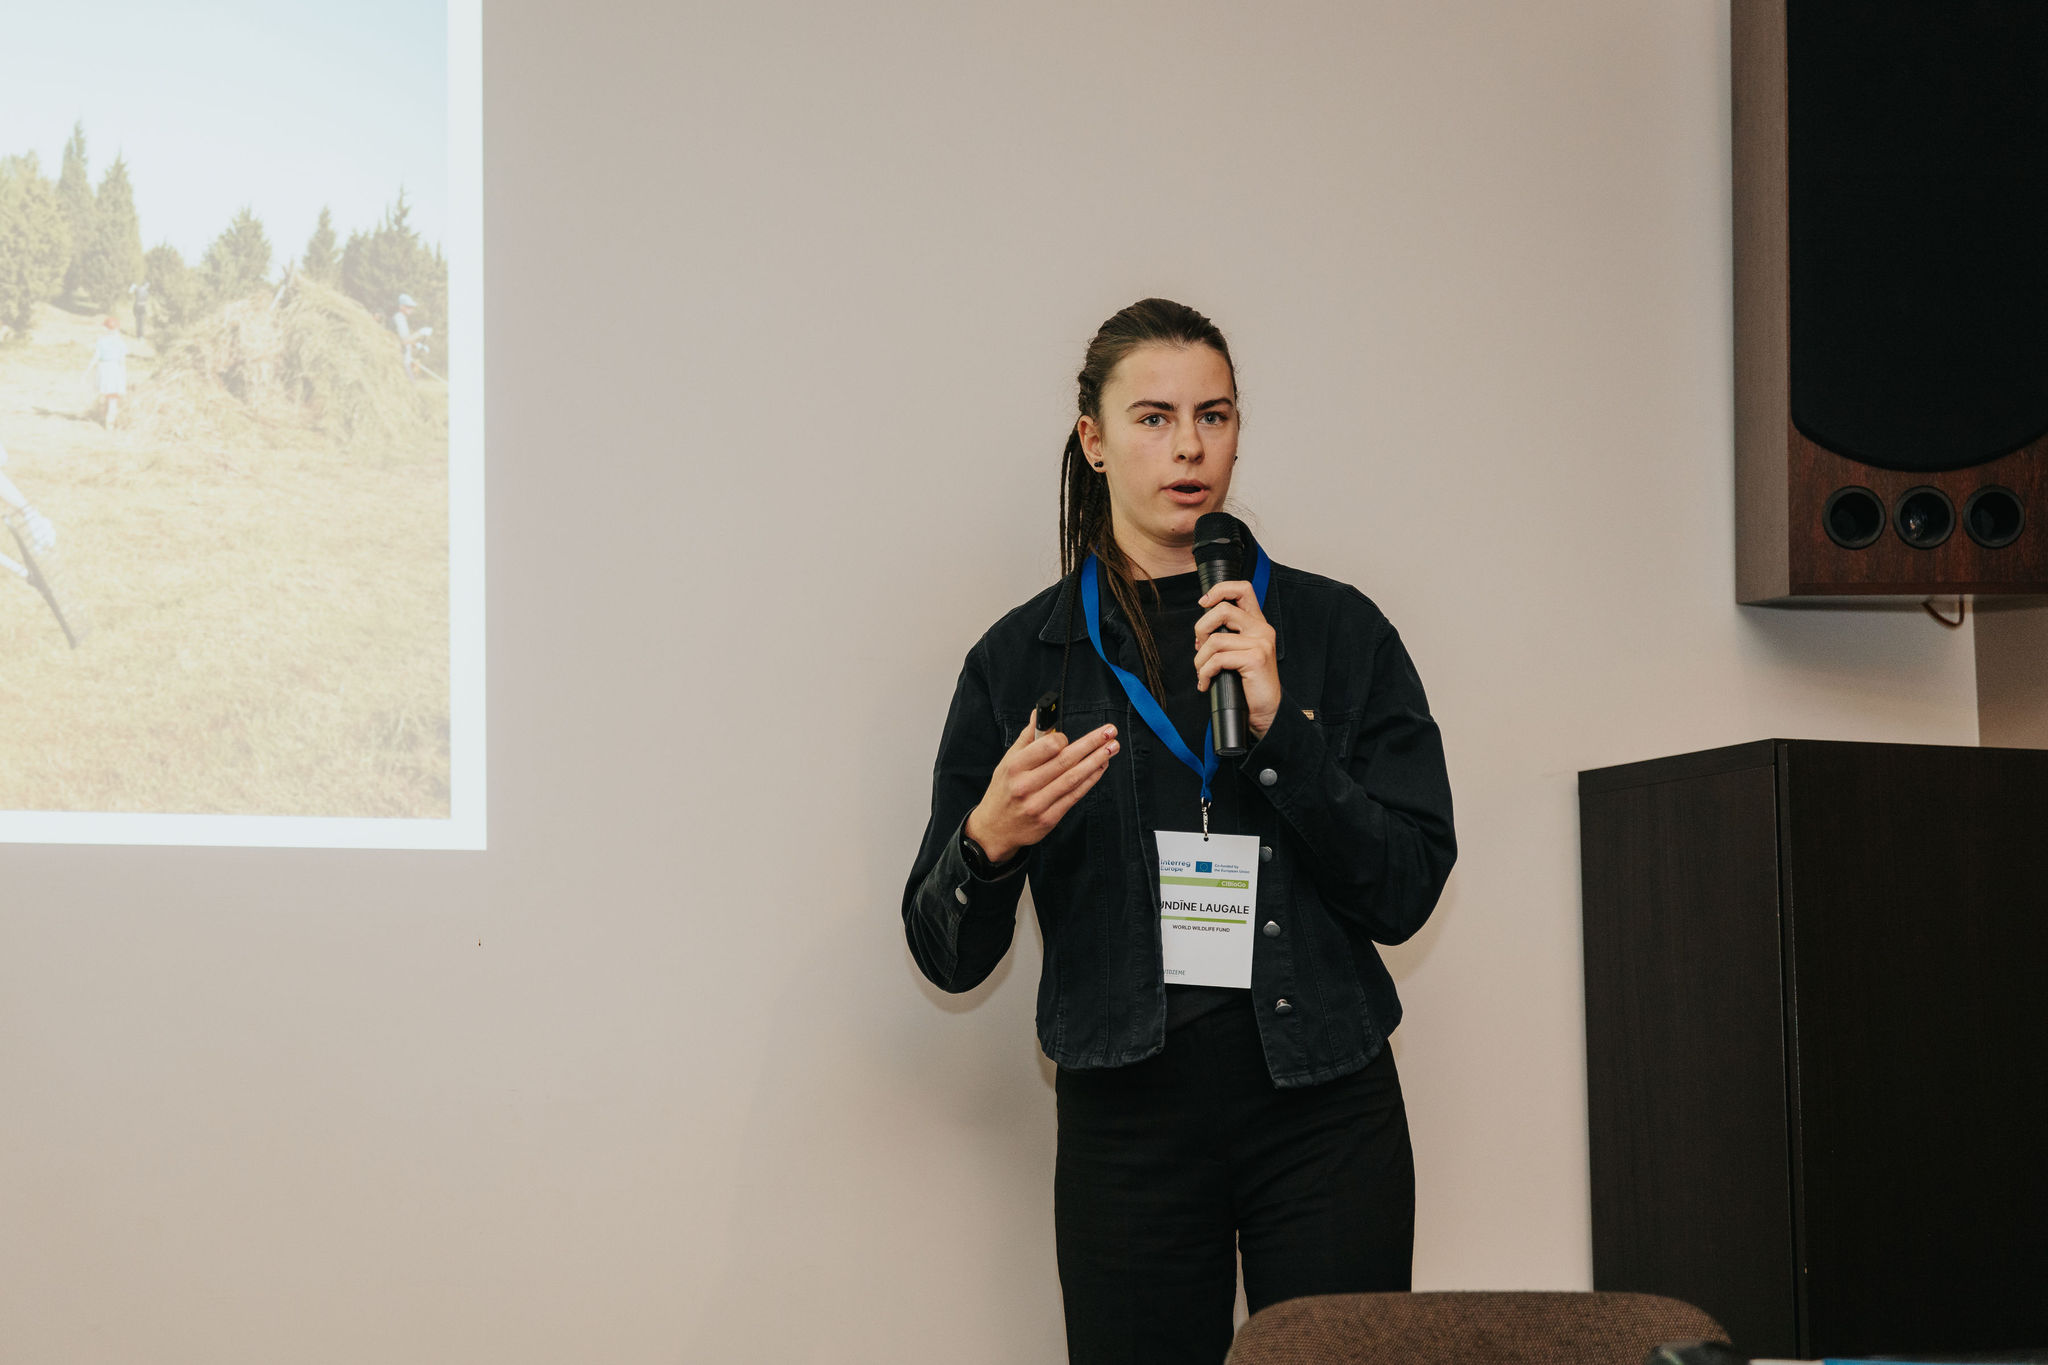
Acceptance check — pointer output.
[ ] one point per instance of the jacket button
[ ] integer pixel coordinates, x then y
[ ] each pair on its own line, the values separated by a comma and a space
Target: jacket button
1272, 929
1283, 1007
1267, 777
960, 894
1265, 853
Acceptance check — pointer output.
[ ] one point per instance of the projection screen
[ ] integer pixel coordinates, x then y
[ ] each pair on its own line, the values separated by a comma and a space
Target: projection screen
241, 424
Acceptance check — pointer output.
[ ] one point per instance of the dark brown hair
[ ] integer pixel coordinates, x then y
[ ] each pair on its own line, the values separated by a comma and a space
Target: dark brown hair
1085, 524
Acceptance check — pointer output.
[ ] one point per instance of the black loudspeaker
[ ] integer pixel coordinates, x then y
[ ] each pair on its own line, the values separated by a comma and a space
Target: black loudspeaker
1891, 297
1816, 1047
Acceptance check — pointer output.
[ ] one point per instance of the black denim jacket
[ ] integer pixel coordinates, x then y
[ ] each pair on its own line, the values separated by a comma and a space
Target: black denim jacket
1346, 791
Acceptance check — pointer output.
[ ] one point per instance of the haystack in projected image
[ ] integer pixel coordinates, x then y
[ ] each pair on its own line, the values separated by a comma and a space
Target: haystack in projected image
308, 359
270, 613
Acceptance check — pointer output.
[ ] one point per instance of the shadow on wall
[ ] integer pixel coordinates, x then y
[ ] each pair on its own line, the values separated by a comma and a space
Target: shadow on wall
2012, 673
969, 1002
1873, 651
1406, 959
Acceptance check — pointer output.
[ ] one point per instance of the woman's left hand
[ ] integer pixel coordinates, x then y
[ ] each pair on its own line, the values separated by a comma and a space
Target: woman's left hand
1234, 634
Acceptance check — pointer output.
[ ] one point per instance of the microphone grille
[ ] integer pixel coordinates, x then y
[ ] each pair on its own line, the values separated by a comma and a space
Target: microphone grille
1212, 527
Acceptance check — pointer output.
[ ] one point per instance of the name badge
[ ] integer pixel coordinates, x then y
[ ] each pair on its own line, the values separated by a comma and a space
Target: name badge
1208, 894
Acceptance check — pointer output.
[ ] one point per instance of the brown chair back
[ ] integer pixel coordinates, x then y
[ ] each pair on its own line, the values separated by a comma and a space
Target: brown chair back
1470, 1328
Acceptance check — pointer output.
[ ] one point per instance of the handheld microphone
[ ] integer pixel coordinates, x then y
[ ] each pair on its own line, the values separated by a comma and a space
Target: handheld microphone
1218, 559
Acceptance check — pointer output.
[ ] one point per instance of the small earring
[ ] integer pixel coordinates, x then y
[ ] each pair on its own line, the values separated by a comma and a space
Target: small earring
1098, 466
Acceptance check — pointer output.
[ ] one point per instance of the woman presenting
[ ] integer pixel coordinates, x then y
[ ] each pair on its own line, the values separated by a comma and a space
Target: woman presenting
1211, 991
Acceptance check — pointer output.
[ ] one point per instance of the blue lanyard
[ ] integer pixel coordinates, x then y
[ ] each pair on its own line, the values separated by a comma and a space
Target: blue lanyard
1141, 696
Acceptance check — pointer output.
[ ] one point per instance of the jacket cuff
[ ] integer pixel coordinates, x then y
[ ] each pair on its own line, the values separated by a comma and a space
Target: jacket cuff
958, 884
1288, 758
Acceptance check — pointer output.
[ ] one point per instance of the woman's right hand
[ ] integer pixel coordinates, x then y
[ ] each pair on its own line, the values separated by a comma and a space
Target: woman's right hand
1038, 781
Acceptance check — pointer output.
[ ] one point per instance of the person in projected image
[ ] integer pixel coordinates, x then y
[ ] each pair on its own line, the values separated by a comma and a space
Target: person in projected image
1258, 1113
16, 509
411, 340
110, 358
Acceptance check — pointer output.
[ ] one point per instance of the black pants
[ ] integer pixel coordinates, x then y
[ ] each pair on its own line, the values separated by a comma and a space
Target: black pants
1169, 1168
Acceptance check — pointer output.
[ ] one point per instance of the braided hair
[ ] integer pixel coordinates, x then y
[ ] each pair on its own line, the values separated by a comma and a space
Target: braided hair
1085, 523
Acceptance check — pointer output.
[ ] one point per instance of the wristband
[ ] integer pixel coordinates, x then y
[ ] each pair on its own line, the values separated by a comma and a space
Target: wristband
978, 862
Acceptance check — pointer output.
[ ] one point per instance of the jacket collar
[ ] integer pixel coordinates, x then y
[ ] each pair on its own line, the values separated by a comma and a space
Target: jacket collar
1066, 613
1066, 609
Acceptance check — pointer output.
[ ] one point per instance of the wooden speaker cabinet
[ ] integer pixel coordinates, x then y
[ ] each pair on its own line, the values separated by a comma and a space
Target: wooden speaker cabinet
1891, 297
1817, 1042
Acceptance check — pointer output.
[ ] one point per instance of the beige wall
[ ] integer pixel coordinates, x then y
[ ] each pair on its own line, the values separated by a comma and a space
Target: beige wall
785, 302
2012, 673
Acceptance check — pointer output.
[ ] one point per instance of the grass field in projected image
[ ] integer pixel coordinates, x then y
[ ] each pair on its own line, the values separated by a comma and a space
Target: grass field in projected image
268, 603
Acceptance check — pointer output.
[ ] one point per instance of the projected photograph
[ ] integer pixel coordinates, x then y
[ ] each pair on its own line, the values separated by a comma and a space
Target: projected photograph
236, 417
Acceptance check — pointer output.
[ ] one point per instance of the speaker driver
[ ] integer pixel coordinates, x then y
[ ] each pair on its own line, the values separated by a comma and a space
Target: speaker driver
1853, 517
1917, 186
1925, 517
1994, 517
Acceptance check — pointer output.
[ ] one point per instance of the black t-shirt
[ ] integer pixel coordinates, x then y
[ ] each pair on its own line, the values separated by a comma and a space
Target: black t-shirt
1171, 794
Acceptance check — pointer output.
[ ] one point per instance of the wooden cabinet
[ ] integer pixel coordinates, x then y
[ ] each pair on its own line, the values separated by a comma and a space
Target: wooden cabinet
1817, 1041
